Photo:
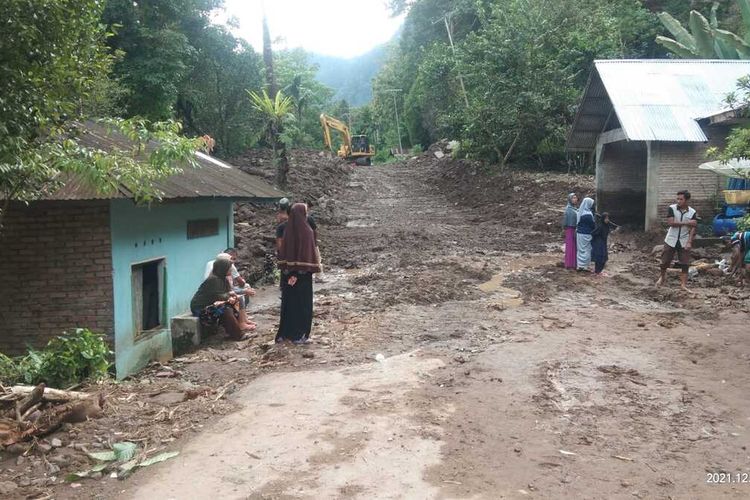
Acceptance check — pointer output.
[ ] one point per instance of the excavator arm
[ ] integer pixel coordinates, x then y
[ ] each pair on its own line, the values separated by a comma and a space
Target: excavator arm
328, 123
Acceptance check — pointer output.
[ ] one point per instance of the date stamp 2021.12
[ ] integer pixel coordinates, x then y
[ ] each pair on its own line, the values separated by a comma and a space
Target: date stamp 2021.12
728, 477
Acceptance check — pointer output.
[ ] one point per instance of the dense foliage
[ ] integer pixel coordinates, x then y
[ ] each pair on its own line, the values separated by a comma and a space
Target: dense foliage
66, 360
176, 63
524, 64
704, 38
54, 75
50, 62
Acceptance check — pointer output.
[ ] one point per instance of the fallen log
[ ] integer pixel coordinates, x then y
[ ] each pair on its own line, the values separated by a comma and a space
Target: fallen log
50, 419
34, 397
18, 392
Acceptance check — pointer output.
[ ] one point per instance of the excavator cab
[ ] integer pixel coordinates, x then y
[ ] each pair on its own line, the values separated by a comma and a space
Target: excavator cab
360, 144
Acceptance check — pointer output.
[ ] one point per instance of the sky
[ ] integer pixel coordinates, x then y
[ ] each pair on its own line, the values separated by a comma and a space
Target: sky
341, 28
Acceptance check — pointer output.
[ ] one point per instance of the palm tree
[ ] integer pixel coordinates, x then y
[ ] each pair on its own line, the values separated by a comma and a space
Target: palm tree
274, 111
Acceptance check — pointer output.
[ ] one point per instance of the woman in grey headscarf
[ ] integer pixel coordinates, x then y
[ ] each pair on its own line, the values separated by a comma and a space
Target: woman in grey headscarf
569, 223
584, 228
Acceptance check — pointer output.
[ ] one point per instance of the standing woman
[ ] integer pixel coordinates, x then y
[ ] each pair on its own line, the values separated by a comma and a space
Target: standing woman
584, 228
570, 221
298, 261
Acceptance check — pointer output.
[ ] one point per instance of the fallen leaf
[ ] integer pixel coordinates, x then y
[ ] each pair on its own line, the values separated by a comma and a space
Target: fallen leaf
124, 451
103, 456
161, 457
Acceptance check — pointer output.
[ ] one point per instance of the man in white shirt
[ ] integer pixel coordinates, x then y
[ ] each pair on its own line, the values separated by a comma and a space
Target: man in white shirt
682, 221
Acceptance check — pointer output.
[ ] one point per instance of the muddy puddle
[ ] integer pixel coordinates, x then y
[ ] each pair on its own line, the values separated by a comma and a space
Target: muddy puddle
502, 296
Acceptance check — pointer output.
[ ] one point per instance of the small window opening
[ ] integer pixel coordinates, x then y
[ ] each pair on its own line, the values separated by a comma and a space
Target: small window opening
202, 228
148, 296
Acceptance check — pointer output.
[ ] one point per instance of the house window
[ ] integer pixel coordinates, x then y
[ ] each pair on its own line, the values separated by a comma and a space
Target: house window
202, 228
148, 296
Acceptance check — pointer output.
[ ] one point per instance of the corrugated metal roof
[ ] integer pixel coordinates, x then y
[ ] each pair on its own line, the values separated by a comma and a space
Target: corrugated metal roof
213, 179
654, 100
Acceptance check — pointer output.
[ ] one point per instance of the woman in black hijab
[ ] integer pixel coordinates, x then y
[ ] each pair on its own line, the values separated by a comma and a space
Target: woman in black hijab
214, 302
298, 260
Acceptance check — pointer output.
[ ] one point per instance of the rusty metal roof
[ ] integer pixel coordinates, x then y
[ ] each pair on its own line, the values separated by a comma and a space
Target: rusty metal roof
212, 179
654, 100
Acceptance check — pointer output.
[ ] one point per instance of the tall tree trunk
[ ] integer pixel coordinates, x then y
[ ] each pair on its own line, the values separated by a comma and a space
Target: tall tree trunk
268, 61
280, 158
279, 149
504, 159
282, 167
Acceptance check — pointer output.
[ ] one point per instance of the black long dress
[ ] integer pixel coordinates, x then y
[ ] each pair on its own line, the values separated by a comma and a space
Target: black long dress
296, 307
599, 252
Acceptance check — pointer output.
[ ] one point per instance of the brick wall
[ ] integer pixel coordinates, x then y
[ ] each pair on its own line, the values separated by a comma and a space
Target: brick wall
621, 181
678, 169
55, 272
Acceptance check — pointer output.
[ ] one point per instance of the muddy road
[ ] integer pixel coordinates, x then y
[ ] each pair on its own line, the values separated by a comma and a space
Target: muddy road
501, 375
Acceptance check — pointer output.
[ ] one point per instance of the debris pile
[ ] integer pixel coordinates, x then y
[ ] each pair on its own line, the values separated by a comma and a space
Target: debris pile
315, 178
497, 194
28, 412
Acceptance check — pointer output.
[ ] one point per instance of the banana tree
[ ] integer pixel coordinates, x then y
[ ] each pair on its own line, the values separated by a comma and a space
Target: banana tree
274, 111
703, 39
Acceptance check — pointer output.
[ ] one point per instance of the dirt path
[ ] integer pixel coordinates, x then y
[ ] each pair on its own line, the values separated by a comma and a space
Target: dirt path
505, 377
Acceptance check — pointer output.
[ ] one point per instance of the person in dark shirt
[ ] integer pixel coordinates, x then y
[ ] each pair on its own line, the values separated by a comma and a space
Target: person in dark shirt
215, 303
740, 259
599, 252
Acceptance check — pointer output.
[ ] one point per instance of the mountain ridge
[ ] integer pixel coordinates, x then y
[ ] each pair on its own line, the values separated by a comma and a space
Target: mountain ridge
350, 78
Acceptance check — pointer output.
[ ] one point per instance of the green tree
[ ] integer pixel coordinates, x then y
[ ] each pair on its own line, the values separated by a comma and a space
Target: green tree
275, 111
52, 57
296, 75
738, 141
157, 38
213, 100
524, 64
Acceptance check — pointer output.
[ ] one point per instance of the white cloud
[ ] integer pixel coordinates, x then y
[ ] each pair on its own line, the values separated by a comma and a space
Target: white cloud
343, 28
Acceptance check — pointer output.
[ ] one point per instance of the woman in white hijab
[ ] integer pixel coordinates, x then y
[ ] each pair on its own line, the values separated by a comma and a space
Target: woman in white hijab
584, 228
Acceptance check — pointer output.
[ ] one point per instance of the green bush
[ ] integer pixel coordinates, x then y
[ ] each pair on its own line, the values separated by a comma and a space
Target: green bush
66, 360
744, 223
72, 358
8, 370
383, 155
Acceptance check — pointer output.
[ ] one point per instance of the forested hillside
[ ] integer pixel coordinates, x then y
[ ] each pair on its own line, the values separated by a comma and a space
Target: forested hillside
508, 90
351, 79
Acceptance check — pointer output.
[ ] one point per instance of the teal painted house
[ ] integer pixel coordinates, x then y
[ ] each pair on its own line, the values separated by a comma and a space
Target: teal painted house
112, 266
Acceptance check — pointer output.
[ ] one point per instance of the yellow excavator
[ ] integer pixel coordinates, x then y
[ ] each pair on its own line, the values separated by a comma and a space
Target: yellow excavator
356, 148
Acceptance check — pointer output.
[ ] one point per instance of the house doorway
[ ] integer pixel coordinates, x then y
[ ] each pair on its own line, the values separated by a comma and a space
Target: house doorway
621, 182
148, 296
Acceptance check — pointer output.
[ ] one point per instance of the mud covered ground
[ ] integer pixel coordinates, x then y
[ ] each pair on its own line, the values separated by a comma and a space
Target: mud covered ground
502, 375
